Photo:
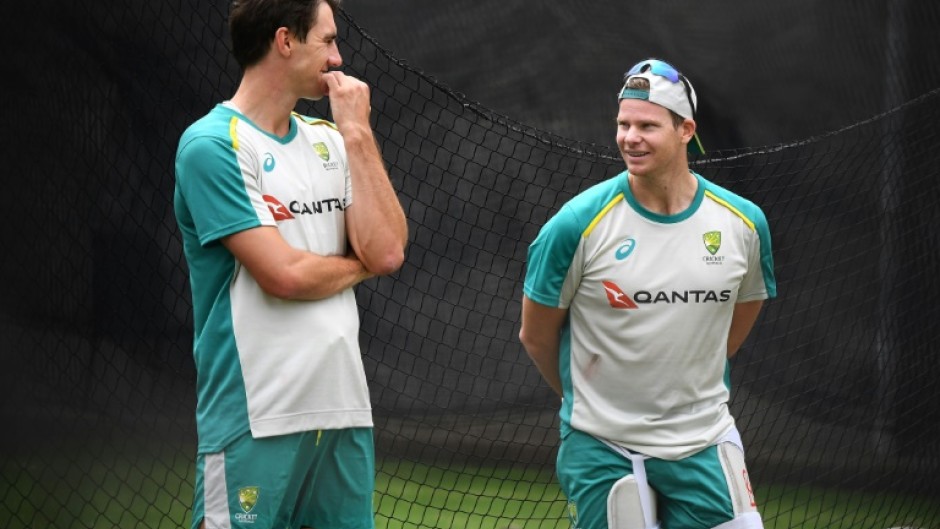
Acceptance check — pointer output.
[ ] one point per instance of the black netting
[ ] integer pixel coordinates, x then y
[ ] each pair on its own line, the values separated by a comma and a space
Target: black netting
836, 391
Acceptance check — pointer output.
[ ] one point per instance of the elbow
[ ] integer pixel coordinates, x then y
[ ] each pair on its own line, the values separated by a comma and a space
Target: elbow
388, 263
522, 339
528, 344
539, 348
284, 286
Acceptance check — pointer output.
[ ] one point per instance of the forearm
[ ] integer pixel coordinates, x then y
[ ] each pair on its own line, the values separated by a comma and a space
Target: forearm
540, 335
742, 321
312, 277
286, 272
375, 222
546, 361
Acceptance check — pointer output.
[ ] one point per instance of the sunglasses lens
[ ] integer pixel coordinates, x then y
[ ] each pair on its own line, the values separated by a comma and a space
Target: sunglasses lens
659, 68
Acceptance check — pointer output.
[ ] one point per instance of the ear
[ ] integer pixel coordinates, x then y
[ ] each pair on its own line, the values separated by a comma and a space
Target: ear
282, 42
687, 129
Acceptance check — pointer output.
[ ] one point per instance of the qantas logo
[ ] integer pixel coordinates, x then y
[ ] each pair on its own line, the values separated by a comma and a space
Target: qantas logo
618, 299
277, 209
296, 207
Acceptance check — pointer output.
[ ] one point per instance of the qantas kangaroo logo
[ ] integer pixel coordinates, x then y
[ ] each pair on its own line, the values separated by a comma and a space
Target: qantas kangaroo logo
277, 209
617, 298
620, 300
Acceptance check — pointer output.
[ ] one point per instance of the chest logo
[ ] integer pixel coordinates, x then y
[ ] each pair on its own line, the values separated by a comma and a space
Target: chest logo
712, 240
268, 164
625, 249
279, 211
322, 151
616, 297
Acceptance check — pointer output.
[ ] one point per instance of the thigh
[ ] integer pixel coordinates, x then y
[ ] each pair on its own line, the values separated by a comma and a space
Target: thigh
337, 492
587, 469
248, 483
693, 493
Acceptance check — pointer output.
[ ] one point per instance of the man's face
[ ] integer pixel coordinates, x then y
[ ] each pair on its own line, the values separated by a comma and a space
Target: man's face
648, 140
317, 55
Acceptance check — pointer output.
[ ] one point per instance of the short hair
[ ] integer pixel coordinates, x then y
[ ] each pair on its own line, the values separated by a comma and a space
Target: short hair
640, 83
252, 24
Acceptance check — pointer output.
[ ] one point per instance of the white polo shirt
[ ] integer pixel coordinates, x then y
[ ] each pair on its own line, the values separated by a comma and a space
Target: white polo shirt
266, 364
650, 298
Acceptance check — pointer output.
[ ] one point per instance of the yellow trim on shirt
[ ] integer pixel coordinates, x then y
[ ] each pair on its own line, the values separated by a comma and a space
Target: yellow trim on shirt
315, 121
232, 123
597, 219
731, 208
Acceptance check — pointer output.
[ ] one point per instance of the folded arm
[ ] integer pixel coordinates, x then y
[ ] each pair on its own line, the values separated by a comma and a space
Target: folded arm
288, 273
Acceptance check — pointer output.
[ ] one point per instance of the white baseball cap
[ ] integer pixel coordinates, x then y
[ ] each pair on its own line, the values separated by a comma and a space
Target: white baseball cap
668, 88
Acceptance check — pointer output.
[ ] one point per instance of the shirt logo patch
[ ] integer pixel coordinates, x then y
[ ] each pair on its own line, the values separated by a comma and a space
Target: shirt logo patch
268, 164
322, 151
573, 514
616, 297
277, 209
712, 240
625, 249
247, 499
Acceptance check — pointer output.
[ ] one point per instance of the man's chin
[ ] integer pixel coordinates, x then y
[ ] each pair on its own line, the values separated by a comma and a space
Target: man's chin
633, 166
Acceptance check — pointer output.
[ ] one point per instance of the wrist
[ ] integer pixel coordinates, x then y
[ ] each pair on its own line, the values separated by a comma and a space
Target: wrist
356, 134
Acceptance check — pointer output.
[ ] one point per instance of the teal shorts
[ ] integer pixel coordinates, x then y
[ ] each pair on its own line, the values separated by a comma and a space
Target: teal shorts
323, 479
691, 493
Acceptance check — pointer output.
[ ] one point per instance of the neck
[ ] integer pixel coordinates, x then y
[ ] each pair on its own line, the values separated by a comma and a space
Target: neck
666, 193
264, 99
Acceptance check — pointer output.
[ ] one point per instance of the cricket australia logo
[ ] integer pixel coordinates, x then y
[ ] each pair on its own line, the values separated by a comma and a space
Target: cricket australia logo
573, 514
322, 151
247, 499
712, 240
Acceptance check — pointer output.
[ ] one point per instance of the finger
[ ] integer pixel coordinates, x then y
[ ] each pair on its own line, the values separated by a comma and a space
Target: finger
336, 75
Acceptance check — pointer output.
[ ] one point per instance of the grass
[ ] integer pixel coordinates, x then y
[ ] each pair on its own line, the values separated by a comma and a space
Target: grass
129, 492
416, 496
413, 496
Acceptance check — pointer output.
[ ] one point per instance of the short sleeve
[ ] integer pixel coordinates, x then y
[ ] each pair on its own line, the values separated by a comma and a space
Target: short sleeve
759, 282
220, 198
551, 268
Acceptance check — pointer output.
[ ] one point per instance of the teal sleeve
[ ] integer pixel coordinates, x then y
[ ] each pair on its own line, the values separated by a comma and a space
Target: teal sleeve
550, 256
766, 255
756, 216
211, 183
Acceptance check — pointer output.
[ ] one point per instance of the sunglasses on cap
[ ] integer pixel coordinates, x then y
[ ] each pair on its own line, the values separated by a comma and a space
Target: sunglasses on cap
666, 71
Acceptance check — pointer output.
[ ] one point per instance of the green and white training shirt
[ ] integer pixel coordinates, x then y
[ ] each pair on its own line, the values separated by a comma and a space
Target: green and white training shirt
643, 351
266, 364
